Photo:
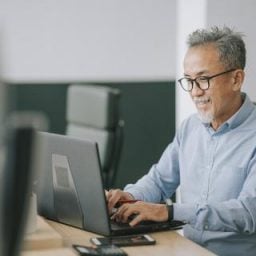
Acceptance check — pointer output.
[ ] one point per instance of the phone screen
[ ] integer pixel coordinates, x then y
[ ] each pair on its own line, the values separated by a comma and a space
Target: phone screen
124, 240
109, 250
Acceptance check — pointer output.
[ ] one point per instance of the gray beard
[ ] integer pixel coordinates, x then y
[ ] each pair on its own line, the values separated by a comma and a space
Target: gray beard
206, 118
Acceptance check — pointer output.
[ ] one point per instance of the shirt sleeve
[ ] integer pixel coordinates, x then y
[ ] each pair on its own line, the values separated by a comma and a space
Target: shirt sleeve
234, 215
162, 179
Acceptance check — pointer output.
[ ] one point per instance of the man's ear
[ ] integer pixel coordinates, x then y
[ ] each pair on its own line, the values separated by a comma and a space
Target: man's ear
238, 79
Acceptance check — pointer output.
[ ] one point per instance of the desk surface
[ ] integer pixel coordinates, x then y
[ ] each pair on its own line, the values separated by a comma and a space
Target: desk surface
166, 242
44, 237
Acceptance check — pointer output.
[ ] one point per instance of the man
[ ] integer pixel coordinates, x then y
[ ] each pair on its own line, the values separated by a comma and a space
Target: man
212, 157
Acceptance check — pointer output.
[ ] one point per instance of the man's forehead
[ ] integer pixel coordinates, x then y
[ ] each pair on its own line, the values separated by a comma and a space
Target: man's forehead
201, 60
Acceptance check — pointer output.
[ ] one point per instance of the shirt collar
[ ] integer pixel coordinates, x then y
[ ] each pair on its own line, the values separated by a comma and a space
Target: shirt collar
239, 117
243, 112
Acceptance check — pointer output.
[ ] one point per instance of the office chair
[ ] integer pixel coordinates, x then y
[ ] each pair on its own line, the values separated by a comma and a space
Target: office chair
93, 114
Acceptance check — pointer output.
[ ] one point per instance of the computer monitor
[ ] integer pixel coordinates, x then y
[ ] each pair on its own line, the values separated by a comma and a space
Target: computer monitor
16, 183
17, 173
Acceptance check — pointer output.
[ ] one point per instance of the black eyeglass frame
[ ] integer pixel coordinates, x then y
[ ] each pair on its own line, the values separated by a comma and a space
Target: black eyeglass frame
208, 78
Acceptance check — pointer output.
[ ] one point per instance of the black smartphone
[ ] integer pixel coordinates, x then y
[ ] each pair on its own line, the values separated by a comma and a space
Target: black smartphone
130, 240
108, 250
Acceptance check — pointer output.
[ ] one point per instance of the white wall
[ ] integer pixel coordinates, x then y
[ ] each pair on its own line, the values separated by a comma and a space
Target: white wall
190, 16
241, 15
60, 40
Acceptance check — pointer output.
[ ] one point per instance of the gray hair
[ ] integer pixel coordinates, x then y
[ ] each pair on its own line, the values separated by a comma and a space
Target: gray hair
229, 43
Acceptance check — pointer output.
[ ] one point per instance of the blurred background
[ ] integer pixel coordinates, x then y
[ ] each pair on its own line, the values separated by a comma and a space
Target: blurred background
136, 46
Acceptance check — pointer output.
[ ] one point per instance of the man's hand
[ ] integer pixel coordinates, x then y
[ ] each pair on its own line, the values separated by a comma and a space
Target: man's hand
114, 195
142, 211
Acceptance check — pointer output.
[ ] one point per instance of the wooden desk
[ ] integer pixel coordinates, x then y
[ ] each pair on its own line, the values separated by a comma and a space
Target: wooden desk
50, 252
167, 242
55, 239
44, 237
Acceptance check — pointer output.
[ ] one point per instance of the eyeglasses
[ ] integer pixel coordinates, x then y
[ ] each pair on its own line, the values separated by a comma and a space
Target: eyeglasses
202, 82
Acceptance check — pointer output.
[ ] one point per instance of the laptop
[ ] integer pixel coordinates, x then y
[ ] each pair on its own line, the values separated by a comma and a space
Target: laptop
70, 187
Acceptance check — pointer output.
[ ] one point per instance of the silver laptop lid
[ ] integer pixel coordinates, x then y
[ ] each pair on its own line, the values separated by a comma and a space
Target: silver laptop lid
70, 186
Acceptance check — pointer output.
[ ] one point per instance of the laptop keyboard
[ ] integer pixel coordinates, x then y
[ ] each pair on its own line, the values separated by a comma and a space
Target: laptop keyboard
143, 226
172, 224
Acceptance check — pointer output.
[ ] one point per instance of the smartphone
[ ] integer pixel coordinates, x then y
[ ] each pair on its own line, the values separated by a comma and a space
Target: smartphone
109, 250
130, 240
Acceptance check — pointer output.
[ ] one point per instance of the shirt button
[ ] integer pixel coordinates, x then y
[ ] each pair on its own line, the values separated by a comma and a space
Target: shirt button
206, 226
204, 195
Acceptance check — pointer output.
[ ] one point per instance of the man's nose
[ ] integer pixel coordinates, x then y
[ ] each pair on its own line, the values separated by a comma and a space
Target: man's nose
196, 90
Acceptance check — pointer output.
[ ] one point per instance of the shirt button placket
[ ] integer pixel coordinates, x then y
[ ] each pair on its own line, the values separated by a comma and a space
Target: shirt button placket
209, 165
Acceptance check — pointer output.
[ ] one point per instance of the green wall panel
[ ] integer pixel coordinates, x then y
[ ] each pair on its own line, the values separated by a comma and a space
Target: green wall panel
47, 98
148, 109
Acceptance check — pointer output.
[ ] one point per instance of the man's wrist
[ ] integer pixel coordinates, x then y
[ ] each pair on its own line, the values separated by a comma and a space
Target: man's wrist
169, 206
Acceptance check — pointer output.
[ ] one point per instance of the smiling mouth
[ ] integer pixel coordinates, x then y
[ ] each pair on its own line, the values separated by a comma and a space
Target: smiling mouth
201, 102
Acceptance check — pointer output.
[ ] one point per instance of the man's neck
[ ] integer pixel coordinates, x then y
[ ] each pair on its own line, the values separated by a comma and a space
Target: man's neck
215, 124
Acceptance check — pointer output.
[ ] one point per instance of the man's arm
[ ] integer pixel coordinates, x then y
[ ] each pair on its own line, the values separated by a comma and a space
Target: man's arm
234, 215
162, 179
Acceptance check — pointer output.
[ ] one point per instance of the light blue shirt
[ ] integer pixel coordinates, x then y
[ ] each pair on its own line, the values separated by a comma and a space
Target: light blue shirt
216, 171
